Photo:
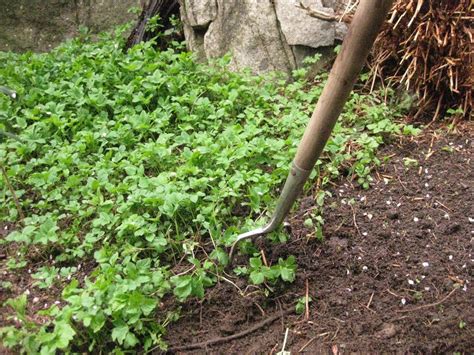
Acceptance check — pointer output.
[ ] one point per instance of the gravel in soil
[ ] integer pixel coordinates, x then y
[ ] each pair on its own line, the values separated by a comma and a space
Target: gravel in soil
393, 274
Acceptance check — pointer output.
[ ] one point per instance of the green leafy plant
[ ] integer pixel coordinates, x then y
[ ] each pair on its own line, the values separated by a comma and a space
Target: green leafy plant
301, 304
144, 166
284, 270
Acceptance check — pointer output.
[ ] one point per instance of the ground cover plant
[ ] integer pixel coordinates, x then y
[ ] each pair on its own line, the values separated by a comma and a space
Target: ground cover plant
143, 166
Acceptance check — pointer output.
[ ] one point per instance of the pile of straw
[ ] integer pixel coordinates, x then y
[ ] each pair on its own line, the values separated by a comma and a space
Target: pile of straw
427, 46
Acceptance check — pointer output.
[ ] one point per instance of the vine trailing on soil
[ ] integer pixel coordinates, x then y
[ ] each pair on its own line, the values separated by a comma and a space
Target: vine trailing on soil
145, 165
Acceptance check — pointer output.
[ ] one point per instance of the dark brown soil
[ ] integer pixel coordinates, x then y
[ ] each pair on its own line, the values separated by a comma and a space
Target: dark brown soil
22, 281
394, 273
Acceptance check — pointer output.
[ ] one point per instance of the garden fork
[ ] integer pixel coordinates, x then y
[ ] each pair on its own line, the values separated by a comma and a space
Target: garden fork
363, 30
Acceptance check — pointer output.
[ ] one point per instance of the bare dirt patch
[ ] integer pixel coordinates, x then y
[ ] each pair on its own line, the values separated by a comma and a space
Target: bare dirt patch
393, 274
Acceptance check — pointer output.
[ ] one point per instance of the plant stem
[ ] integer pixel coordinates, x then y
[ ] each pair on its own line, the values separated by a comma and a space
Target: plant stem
12, 191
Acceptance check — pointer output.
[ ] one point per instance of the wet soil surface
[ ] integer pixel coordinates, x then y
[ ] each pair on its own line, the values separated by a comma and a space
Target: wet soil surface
393, 274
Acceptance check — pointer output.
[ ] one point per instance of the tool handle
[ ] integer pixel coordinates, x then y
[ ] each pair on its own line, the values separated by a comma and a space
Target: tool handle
368, 19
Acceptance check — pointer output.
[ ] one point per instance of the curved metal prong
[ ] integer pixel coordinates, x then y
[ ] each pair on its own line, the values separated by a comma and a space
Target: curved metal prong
251, 234
293, 186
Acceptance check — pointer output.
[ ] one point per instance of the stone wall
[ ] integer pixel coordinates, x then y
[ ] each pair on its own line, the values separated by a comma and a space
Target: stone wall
39, 25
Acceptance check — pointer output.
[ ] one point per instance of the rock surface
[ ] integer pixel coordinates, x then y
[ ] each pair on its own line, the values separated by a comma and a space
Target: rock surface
249, 31
39, 25
199, 13
301, 29
264, 35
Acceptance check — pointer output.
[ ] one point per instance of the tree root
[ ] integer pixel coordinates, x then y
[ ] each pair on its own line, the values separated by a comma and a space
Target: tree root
241, 334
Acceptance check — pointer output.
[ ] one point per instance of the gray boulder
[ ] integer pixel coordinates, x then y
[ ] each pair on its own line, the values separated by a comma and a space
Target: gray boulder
198, 13
263, 35
250, 32
301, 29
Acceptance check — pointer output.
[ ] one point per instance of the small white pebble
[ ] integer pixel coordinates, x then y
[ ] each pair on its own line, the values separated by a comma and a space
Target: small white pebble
363, 198
404, 301
35, 300
427, 288
13, 95
6, 227
364, 234
349, 289
348, 272
426, 184
425, 264
471, 220
45, 305
416, 219
411, 282
57, 302
428, 196
389, 202
446, 216
365, 268
399, 204
29, 271
450, 257
370, 216
359, 258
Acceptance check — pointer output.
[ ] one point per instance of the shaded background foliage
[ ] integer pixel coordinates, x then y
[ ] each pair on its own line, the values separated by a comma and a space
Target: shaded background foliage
425, 50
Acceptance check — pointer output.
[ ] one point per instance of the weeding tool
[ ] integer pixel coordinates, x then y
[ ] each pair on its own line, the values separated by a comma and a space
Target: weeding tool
356, 46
